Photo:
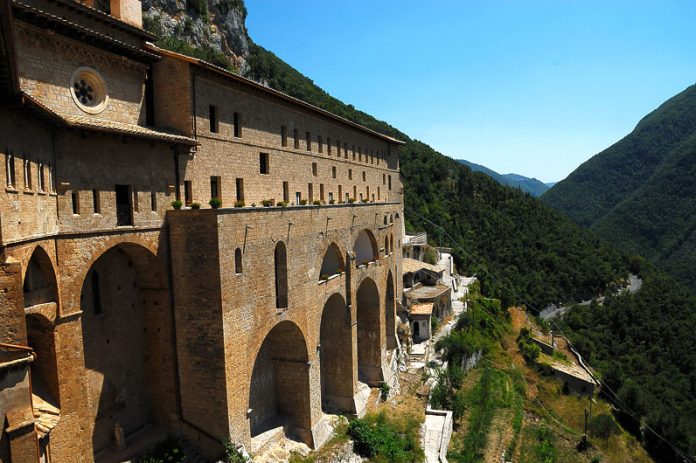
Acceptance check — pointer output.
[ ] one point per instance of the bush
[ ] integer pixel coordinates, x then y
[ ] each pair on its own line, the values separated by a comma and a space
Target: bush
215, 203
282, 204
387, 439
167, 451
176, 204
195, 205
239, 204
267, 202
603, 426
384, 391
233, 454
351, 200
316, 202
529, 350
331, 201
303, 202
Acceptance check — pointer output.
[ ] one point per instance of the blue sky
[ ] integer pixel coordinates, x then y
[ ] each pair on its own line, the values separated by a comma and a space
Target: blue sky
530, 87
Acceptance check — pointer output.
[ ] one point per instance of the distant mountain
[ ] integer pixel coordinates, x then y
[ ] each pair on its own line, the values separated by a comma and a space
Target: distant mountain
639, 193
550, 184
528, 185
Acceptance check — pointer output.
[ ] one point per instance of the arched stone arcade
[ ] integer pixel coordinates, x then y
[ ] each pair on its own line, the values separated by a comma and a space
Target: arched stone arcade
332, 262
369, 333
336, 356
279, 388
365, 248
126, 326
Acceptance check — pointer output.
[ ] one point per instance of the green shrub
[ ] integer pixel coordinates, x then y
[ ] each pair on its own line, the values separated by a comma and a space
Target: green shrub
215, 203
239, 203
232, 454
430, 255
282, 204
303, 202
316, 202
387, 439
167, 451
351, 200
176, 204
384, 391
267, 202
603, 426
331, 201
195, 205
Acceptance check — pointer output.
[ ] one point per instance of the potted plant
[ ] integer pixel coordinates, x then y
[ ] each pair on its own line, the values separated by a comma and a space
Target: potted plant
303, 202
351, 200
331, 201
195, 205
215, 203
239, 203
283, 204
176, 204
267, 202
316, 202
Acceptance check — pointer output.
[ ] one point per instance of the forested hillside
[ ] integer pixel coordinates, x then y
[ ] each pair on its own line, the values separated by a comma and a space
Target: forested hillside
523, 251
528, 185
639, 193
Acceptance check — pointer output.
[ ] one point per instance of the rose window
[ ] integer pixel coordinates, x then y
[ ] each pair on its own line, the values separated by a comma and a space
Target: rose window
89, 90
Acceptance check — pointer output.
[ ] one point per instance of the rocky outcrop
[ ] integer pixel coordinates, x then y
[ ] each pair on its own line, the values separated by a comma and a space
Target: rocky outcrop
215, 27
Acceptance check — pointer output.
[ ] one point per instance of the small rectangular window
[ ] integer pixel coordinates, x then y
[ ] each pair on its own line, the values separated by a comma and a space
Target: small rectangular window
345, 150
188, 192
239, 186
136, 204
296, 138
42, 181
340, 192
310, 192
283, 136
75, 197
213, 118
333, 171
10, 170
314, 169
153, 201
379, 195
298, 198
215, 188
389, 179
124, 205
96, 201
359, 154
353, 152
308, 137
320, 144
350, 174
338, 148
367, 192
355, 192
27, 174
331, 198
328, 146
321, 191
286, 192
51, 177
237, 125
263, 163
384, 179
364, 176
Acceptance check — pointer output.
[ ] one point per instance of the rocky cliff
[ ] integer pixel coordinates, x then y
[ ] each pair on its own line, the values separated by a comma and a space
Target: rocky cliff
213, 30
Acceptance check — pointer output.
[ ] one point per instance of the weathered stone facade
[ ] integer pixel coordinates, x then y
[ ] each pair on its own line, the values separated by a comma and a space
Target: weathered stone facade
215, 323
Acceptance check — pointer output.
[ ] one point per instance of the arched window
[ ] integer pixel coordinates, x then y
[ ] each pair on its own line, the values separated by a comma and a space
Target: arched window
237, 260
386, 245
391, 218
365, 248
281, 275
385, 220
332, 263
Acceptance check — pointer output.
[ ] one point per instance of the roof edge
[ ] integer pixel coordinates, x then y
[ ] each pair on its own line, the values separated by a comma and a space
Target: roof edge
284, 96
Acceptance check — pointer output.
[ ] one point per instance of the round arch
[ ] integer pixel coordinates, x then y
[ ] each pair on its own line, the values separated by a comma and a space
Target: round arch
369, 329
279, 392
39, 284
332, 263
365, 248
335, 341
126, 324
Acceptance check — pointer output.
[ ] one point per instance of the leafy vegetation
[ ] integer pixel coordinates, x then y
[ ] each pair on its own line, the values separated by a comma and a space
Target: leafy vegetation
638, 193
167, 451
387, 439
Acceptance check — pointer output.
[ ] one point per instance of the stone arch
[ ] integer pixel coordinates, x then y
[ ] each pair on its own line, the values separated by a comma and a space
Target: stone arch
391, 218
279, 391
335, 341
369, 329
39, 284
238, 261
332, 263
365, 248
390, 313
127, 341
280, 261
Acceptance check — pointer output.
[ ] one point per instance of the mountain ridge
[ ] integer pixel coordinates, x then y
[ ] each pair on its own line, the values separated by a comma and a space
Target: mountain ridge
529, 185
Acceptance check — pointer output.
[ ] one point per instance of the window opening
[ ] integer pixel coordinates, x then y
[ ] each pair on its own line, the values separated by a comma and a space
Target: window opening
213, 118
237, 125
237, 261
124, 212
188, 192
96, 201
263, 163
239, 186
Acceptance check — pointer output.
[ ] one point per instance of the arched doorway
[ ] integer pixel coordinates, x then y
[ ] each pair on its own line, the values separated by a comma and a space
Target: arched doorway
369, 346
335, 356
390, 313
126, 337
365, 248
279, 389
39, 280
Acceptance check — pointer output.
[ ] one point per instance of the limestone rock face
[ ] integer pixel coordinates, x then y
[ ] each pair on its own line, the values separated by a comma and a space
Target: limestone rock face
215, 26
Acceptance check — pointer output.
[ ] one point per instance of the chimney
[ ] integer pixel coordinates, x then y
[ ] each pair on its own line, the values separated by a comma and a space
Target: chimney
129, 11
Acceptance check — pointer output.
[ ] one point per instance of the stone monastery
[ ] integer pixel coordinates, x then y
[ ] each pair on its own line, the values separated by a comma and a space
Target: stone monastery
120, 310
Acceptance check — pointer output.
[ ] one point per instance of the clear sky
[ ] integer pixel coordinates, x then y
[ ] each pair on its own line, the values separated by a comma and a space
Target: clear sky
530, 87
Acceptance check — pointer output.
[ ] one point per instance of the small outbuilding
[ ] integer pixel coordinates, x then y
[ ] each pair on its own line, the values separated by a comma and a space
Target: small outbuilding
420, 321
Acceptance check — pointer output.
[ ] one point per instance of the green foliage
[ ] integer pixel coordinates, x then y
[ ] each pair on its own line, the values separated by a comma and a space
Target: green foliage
215, 203
388, 440
529, 350
430, 255
176, 204
167, 451
239, 203
603, 426
434, 324
638, 193
316, 202
232, 454
199, 7
303, 202
195, 205
642, 346
267, 202
384, 391
545, 450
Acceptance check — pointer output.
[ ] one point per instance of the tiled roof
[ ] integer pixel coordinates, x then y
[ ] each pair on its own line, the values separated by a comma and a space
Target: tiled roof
104, 125
413, 265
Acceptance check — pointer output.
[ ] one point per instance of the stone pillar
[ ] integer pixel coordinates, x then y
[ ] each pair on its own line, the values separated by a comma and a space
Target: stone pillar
129, 11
